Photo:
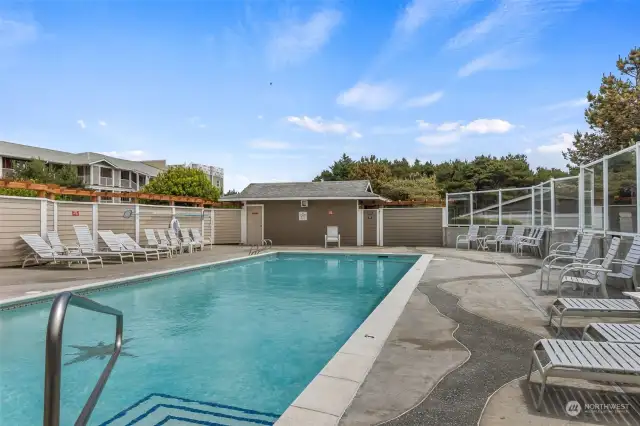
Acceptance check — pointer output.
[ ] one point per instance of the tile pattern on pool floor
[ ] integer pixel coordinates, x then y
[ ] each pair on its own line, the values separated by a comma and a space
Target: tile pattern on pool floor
160, 409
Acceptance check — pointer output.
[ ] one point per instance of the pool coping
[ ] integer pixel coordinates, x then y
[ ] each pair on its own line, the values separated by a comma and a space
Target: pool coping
326, 398
329, 394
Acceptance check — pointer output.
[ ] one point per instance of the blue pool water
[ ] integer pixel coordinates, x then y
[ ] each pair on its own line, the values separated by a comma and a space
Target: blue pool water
240, 341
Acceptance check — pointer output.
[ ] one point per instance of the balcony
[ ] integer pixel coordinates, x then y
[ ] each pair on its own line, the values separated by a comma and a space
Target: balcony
8, 173
106, 181
125, 183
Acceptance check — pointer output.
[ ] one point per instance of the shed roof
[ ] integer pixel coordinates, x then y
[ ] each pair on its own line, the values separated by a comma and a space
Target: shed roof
353, 189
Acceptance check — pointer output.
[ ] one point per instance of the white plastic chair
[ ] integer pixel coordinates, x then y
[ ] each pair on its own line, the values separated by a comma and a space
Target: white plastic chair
43, 252
332, 236
471, 236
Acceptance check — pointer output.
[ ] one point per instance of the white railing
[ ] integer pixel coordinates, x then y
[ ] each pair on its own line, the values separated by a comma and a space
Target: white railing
125, 183
106, 181
602, 198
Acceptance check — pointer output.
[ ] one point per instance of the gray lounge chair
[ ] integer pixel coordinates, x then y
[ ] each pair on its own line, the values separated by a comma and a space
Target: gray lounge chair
199, 239
43, 253
575, 359
612, 332
550, 262
88, 246
166, 240
130, 244
565, 249
58, 247
512, 240
497, 238
579, 307
468, 238
532, 241
628, 263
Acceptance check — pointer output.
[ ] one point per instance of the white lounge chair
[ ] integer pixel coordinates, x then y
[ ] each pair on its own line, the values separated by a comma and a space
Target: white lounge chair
606, 362
165, 240
593, 275
550, 262
199, 239
152, 241
130, 244
580, 307
612, 332
564, 248
512, 240
115, 246
627, 272
58, 247
496, 239
471, 236
184, 246
88, 246
186, 240
42, 252
332, 236
532, 241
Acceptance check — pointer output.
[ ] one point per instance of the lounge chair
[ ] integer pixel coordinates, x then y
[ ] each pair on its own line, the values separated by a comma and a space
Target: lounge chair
176, 241
532, 241
332, 236
186, 240
628, 263
115, 246
88, 246
199, 239
130, 244
165, 240
550, 262
152, 241
564, 248
575, 359
58, 247
612, 332
501, 234
471, 236
580, 307
593, 275
512, 240
42, 252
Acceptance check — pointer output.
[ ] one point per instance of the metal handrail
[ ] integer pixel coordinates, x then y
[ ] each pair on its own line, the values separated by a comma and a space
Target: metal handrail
53, 358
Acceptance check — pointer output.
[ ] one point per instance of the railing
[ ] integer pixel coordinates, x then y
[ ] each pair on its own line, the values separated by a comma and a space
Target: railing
106, 181
266, 244
125, 183
8, 173
53, 357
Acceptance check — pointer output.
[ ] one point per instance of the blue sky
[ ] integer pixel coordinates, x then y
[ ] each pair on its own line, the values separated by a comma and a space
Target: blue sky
276, 90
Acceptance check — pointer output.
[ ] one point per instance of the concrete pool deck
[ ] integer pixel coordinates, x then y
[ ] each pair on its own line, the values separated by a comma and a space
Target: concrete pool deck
457, 354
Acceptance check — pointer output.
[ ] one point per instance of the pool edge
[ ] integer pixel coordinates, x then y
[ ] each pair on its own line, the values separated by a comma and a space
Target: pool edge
327, 397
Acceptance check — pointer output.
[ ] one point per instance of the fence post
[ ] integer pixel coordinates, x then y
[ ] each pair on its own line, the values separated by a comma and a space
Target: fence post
499, 206
213, 226
243, 223
581, 199
637, 181
136, 214
381, 226
471, 207
445, 222
202, 221
605, 193
43, 218
533, 206
94, 223
55, 216
553, 204
359, 224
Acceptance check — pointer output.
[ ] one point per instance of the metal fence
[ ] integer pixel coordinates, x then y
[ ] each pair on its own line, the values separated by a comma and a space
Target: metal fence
602, 198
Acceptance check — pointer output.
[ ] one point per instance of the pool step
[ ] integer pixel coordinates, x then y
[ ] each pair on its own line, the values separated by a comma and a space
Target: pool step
167, 410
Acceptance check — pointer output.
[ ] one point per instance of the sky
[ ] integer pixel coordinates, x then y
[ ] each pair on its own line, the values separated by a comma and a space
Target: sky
278, 90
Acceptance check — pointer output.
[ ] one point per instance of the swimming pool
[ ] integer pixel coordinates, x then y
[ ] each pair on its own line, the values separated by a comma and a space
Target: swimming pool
229, 344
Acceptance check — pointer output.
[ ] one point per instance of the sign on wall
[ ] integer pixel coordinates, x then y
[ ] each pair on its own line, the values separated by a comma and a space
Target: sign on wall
75, 213
302, 215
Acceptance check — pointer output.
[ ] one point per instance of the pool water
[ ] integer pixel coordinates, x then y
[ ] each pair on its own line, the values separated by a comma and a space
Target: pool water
229, 344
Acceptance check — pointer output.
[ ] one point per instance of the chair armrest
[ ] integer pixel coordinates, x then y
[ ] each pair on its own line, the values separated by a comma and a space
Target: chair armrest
558, 245
623, 262
582, 267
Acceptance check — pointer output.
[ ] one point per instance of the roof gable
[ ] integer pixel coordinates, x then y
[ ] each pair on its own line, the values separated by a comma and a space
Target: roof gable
355, 189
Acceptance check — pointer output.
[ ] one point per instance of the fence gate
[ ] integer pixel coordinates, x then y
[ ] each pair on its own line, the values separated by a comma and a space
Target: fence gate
370, 227
415, 226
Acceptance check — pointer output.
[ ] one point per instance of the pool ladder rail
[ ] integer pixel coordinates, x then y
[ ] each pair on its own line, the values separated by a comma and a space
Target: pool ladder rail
259, 248
53, 357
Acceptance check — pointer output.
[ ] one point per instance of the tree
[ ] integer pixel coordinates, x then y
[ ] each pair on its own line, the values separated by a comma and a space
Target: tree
184, 181
38, 171
231, 192
424, 188
374, 170
338, 171
613, 114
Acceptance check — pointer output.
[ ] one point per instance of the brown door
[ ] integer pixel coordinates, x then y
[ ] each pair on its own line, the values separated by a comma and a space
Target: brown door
254, 225
370, 227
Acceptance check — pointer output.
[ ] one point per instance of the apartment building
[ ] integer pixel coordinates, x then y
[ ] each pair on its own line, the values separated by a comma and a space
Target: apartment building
98, 171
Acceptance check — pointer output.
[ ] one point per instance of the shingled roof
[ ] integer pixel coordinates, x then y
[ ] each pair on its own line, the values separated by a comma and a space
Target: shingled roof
353, 189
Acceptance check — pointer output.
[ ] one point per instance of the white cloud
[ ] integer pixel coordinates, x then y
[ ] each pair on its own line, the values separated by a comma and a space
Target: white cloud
370, 97
293, 42
268, 144
423, 124
574, 103
484, 125
448, 126
319, 125
425, 100
418, 12
102, 123
513, 21
81, 124
135, 155
528, 151
497, 60
15, 33
559, 143
356, 135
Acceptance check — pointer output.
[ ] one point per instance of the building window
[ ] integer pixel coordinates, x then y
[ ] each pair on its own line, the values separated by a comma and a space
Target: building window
143, 180
106, 176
